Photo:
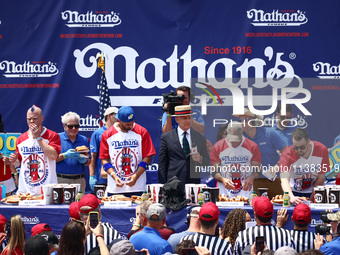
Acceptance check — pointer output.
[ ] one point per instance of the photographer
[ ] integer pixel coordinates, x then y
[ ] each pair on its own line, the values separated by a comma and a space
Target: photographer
169, 123
333, 247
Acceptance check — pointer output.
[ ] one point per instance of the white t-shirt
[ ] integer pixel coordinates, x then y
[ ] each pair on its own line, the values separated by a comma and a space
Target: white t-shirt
235, 164
36, 168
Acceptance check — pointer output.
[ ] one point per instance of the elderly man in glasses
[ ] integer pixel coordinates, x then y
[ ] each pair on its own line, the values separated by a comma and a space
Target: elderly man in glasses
36, 153
303, 166
71, 164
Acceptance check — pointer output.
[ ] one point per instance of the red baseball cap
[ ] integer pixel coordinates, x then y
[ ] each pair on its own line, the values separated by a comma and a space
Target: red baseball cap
3, 221
262, 206
89, 200
302, 214
209, 209
73, 210
41, 227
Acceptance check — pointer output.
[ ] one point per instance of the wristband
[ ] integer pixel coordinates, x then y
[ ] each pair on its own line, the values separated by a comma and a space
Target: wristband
64, 155
15, 173
112, 174
39, 138
143, 164
135, 224
107, 166
100, 236
168, 114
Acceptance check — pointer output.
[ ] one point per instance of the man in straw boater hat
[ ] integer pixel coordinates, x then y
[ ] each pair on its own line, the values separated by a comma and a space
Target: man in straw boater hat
183, 150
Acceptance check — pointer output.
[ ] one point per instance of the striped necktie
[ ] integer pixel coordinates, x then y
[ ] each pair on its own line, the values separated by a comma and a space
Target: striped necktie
186, 148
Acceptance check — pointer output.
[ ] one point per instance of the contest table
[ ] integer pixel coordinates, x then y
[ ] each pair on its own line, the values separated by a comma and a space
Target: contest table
122, 218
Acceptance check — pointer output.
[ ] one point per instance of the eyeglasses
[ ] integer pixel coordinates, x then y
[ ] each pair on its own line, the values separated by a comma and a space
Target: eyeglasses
300, 148
72, 126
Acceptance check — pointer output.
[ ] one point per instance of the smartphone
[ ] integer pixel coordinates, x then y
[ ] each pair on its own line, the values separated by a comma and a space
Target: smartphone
189, 251
94, 219
259, 244
140, 252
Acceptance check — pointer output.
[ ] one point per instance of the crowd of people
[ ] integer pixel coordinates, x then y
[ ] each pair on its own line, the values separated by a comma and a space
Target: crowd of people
246, 156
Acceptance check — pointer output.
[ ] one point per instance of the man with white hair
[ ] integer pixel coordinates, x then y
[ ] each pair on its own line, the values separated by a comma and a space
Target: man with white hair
70, 163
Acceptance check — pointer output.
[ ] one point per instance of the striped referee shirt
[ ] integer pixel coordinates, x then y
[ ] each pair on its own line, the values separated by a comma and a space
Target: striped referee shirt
303, 239
215, 245
274, 237
109, 234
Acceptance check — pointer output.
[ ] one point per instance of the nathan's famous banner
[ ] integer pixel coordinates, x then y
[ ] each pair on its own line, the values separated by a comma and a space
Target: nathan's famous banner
255, 54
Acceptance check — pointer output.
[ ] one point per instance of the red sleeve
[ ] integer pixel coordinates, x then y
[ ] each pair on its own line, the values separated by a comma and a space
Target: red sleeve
147, 146
54, 141
256, 153
215, 153
285, 161
104, 148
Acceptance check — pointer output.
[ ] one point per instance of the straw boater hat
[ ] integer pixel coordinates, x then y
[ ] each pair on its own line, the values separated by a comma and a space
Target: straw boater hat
183, 110
249, 114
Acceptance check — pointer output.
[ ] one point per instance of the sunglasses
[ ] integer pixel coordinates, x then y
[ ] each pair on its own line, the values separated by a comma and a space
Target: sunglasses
299, 148
72, 126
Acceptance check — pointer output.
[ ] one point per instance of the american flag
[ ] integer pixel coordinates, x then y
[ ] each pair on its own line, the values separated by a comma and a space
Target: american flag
104, 98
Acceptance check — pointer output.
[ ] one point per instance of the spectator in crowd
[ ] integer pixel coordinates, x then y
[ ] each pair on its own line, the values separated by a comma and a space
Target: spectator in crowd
194, 226
208, 216
150, 238
141, 221
6, 174
72, 239
3, 241
168, 123
96, 164
283, 126
303, 166
312, 252
73, 210
182, 150
45, 231
36, 245
90, 203
70, 163
125, 150
222, 132
40, 227
285, 250
236, 161
234, 223
263, 213
302, 238
124, 247
36, 151
16, 234
185, 244
270, 143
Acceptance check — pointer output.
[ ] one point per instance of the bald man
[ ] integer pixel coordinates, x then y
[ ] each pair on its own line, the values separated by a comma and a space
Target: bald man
36, 153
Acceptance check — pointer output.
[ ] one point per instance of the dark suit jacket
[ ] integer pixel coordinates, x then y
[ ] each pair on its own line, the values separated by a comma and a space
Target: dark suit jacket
172, 161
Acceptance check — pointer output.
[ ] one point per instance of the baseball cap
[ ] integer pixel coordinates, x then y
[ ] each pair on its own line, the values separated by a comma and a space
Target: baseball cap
156, 209
334, 216
3, 221
110, 110
302, 214
73, 210
285, 250
209, 209
36, 245
88, 203
234, 132
125, 114
262, 206
123, 247
41, 227
197, 209
50, 237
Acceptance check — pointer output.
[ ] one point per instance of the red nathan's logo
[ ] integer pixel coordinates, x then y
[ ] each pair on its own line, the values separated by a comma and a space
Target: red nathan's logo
91, 19
277, 18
